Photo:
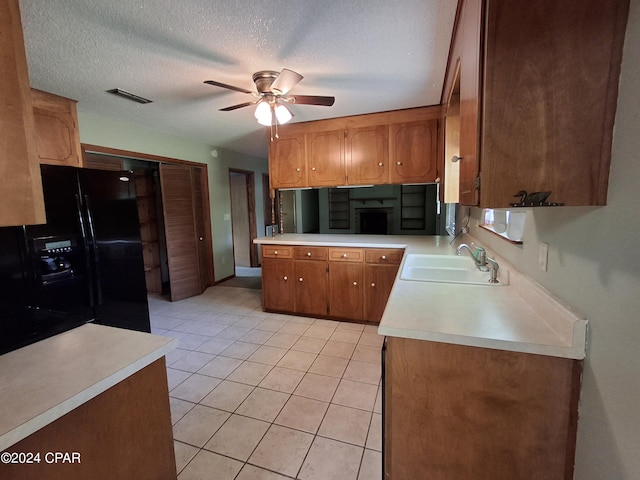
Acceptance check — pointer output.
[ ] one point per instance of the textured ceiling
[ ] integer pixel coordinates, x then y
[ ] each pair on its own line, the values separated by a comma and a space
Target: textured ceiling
372, 55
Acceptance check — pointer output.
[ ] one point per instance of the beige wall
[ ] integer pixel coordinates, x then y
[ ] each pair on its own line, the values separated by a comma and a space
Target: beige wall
594, 266
96, 129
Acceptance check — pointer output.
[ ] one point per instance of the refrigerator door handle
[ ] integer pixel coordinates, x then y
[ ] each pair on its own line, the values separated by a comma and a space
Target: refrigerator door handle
85, 247
94, 247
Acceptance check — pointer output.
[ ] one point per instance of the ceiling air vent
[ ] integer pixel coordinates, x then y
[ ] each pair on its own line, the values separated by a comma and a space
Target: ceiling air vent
129, 95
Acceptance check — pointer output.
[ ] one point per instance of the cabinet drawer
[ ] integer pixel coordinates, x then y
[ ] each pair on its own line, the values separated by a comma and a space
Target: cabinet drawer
277, 251
346, 254
310, 253
384, 256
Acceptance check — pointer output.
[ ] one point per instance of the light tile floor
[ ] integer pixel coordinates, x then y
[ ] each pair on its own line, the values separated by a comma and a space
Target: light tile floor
260, 396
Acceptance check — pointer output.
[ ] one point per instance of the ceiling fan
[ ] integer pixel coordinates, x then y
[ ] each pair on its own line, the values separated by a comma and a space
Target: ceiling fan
272, 96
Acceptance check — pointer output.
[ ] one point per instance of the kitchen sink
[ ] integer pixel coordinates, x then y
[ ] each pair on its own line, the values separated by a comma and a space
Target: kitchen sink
444, 269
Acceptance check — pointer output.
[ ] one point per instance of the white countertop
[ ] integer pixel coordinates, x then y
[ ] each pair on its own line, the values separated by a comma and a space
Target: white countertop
519, 316
44, 381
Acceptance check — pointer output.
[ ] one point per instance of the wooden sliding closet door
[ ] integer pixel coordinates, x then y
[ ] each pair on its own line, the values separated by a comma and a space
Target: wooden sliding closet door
180, 230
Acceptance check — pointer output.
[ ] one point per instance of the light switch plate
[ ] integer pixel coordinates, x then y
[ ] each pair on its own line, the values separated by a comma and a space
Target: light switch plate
543, 256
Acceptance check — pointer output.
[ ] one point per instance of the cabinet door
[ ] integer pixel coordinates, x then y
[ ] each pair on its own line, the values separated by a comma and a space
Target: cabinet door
311, 287
345, 290
468, 40
413, 150
278, 284
378, 280
548, 112
367, 155
513, 403
21, 189
325, 158
287, 162
57, 136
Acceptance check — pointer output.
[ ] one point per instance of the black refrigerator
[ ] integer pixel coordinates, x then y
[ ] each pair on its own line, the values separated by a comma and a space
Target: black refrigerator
84, 265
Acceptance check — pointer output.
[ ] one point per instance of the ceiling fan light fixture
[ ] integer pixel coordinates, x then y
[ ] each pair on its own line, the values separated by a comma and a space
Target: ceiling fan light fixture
283, 115
263, 114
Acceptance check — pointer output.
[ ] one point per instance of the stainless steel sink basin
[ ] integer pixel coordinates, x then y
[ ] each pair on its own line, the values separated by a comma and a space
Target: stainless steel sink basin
444, 269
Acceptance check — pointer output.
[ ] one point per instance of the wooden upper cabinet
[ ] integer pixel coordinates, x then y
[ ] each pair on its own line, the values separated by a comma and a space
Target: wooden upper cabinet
287, 167
57, 135
413, 148
358, 150
367, 155
21, 189
540, 96
325, 158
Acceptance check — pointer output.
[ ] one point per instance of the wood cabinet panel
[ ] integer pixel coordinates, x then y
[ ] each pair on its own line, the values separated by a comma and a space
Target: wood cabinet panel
325, 158
311, 287
278, 282
345, 290
22, 199
367, 155
277, 251
525, 77
413, 150
136, 409
287, 162
57, 136
453, 411
310, 253
384, 256
378, 281
345, 254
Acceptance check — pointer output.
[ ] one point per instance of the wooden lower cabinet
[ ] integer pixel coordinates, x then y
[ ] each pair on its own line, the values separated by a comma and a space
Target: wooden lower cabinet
345, 290
311, 287
341, 283
459, 412
278, 284
123, 433
378, 280
294, 285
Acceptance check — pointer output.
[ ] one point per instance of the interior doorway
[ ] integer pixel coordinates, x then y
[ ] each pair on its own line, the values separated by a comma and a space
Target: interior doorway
243, 218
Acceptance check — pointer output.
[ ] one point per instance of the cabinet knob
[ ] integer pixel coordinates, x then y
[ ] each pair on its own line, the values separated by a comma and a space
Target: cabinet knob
308, 254
380, 164
355, 284
383, 257
297, 169
300, 279
313, 169
373, 284
201, 238
344, 255
275, 252
285, 278
398, 163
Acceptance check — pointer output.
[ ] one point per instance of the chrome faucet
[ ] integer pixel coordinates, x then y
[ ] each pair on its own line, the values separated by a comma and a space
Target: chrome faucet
493, 268
479, 255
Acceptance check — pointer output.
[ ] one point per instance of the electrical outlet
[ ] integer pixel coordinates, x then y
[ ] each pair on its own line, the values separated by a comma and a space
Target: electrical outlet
543, 256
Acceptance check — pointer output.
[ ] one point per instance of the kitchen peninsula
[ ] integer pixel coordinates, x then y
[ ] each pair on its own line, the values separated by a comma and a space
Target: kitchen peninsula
97, 394
493, 370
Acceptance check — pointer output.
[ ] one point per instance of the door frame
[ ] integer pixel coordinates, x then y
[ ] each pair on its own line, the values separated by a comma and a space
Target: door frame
251, 202
85, 147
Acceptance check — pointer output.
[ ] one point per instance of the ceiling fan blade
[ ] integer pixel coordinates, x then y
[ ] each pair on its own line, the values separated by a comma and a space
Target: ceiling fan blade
230, 87
235, 107
286, 80
311, 100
